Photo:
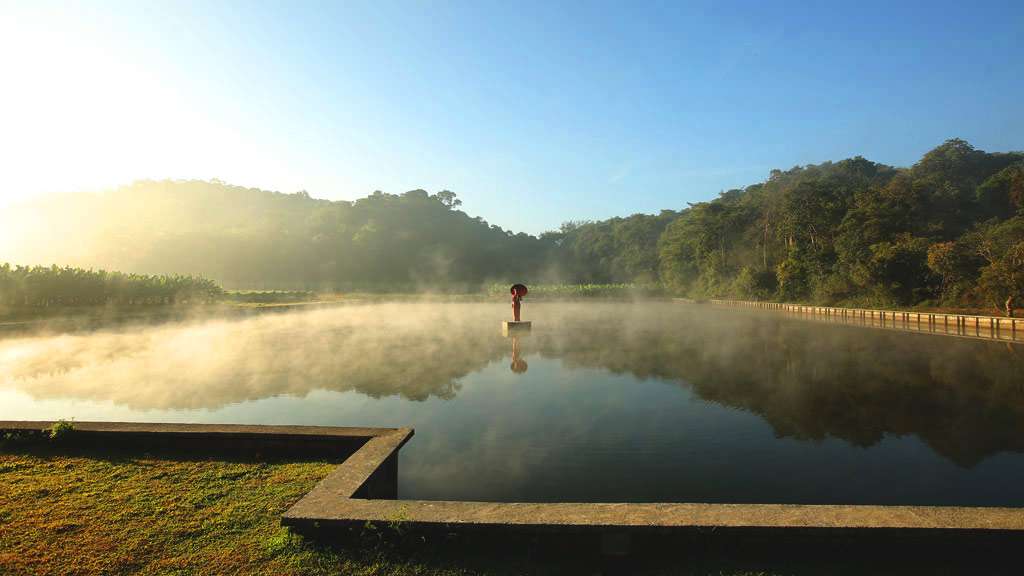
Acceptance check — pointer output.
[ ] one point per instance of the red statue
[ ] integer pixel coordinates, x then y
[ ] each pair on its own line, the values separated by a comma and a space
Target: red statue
518, 291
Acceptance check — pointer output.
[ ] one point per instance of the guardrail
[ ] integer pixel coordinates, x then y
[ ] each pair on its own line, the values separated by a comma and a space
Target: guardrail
987, 327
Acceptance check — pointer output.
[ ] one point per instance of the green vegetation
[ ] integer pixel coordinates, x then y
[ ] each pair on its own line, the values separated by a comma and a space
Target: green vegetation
254, 239
948, 231
573, 291
33, 293
618, 250
61, 429
42, 287
66, 512
269, 296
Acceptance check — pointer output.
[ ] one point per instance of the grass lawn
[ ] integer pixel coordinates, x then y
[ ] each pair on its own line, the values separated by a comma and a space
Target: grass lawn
71, 510
80, 513
66, 509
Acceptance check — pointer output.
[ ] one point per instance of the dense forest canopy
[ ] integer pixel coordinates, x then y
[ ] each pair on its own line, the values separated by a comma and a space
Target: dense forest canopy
948, 230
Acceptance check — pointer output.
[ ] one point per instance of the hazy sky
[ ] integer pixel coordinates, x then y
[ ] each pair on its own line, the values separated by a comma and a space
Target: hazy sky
533, 113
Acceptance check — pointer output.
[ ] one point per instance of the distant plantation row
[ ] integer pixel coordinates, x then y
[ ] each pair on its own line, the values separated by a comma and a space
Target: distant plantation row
40, 287
570, 291
269, 296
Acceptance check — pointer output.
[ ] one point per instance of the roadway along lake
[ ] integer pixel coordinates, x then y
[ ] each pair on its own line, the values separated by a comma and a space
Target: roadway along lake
602, 402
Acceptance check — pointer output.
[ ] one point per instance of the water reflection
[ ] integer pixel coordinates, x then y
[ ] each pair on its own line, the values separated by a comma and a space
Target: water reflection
518, 365
808, 381
964, 398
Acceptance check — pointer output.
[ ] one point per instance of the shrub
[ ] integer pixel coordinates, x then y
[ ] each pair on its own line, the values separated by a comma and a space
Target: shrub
61, 429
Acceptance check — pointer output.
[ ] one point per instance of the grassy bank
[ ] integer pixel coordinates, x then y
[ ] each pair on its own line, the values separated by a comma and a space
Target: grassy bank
69, 318
87, 513
67, 509
78, 511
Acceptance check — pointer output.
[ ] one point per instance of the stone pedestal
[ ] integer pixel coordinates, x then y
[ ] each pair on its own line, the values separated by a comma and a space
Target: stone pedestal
513, 327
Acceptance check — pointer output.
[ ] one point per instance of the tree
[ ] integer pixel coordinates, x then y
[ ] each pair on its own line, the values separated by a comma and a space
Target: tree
1002, 278
899, 270
448, 198
1002, 195
755, 284
957, 264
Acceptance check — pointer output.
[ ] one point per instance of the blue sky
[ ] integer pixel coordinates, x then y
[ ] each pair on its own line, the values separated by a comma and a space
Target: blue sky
534, 113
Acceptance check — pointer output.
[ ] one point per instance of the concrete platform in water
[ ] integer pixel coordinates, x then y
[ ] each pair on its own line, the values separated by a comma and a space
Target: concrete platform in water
513, 327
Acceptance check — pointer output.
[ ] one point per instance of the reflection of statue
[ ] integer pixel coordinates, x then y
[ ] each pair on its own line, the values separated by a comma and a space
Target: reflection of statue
518, 364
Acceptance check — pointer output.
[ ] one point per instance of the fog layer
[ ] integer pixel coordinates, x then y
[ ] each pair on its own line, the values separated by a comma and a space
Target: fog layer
809, 381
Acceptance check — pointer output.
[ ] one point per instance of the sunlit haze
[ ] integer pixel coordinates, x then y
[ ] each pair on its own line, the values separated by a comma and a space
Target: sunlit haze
586, 110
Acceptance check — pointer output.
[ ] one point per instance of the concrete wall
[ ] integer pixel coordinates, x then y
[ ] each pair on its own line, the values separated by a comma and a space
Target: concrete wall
987, 327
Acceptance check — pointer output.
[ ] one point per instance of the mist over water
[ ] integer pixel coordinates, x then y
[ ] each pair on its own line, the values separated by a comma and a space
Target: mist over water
607, 401
379, 350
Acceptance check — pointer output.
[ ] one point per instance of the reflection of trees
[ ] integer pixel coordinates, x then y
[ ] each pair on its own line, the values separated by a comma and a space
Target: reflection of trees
808, 380
964, 398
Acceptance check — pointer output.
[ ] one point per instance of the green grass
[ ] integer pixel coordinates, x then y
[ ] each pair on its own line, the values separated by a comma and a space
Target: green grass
75, 510
68, 510
269, 296
63, 512
86, 514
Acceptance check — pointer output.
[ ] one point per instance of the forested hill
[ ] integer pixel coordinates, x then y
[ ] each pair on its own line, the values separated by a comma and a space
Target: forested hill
250, 238
949, 229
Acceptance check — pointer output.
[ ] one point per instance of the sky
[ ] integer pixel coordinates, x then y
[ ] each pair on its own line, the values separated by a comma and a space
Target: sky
534, 113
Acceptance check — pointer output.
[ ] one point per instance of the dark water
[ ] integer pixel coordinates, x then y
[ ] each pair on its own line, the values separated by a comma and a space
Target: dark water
608, 402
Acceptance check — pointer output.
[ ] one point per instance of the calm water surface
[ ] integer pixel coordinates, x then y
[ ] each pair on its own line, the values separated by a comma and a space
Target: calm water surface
602, 402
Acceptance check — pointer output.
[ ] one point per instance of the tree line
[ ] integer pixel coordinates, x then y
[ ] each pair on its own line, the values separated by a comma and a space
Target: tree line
39, 287
246, 238
948, 231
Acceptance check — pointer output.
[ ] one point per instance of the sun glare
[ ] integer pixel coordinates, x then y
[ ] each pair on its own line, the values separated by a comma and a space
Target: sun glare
87, 109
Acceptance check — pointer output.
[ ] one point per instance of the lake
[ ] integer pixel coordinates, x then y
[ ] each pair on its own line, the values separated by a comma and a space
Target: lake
608, 402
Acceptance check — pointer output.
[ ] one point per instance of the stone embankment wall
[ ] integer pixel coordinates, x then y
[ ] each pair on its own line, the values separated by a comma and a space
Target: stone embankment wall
987, 327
